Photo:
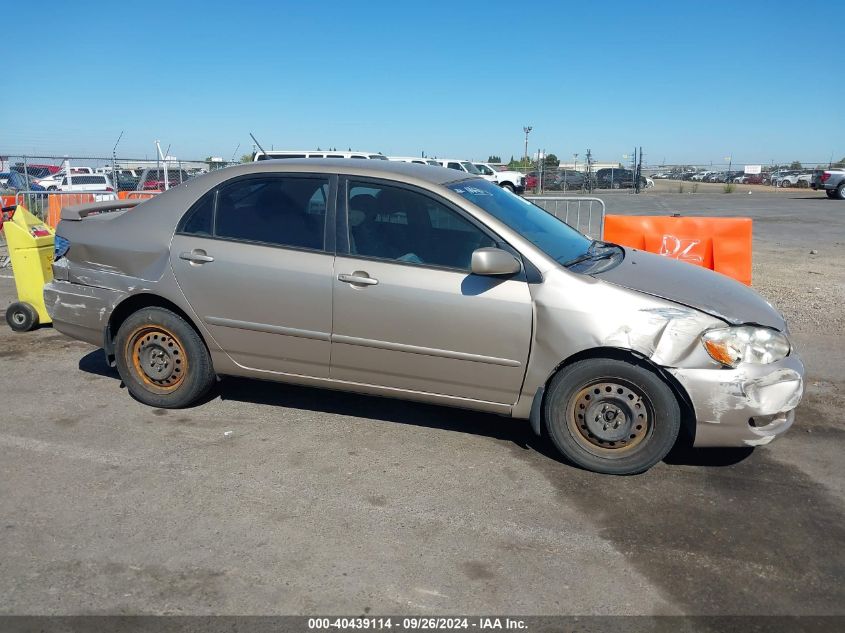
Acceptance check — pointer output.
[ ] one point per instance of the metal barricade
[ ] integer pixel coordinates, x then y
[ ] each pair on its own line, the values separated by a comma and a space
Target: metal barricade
582, 214
47, 205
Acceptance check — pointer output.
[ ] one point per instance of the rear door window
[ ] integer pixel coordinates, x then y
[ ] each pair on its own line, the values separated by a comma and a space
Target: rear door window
278, 210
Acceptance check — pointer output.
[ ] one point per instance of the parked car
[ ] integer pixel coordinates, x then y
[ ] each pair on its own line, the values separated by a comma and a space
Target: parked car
126, 182
35, 171
549, 180
153, 179
505, 178
415, 159
89, 183
831, 181
570, 180
52, 182
616, 179
778, 176
459, 165
435, 286
15, 181
796, 179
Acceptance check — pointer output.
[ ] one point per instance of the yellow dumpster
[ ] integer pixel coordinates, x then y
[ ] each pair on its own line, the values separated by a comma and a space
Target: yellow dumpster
30, 243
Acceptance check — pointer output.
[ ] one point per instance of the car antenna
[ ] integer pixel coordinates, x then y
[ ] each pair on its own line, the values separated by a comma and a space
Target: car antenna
259, 144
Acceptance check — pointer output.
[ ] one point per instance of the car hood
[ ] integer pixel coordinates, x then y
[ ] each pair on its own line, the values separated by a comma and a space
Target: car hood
693, 286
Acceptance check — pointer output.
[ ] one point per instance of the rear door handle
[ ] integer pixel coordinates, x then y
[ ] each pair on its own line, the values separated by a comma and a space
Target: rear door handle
196, 257
358, 279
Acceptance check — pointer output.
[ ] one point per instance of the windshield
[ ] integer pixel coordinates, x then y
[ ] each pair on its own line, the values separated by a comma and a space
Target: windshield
554, 237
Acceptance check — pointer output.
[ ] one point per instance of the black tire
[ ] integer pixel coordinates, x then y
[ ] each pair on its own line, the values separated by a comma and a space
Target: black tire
508, 186
162, 360
21, 317
785, 184
831, 193
840, 191
580, 397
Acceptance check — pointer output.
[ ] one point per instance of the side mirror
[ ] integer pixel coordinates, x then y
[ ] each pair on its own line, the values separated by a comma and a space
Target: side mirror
494, 261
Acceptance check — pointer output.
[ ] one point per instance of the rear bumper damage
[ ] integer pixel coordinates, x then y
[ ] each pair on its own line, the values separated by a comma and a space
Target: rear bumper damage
81, 312
747, 406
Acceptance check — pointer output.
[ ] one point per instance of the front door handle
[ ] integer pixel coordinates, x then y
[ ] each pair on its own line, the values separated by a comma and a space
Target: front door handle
358, 278
196, 256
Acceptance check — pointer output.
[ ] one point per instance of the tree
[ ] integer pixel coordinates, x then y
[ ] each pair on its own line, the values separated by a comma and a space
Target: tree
551, 161
246, 158
795, 165
495, 159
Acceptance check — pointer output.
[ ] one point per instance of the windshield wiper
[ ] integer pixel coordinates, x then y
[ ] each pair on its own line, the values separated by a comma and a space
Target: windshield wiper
591, 254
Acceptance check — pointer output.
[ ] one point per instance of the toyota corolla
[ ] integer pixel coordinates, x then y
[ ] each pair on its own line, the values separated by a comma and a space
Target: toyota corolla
422, 283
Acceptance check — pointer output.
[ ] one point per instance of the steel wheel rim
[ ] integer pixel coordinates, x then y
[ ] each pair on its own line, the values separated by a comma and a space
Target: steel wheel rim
158, 358
610, 417
19, 318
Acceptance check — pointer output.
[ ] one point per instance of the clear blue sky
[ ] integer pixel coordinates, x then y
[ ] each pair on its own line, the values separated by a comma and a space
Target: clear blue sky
689, 81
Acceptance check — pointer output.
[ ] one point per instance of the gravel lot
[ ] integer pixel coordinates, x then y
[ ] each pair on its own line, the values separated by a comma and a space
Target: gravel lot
276, 499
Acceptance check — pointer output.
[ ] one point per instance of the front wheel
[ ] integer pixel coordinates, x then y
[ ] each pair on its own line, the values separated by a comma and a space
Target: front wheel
610, 416
508, 186
785, 184
162, 360
840, 192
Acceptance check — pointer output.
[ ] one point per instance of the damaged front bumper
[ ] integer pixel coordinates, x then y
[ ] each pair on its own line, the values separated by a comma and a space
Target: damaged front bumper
81, 312
747, 406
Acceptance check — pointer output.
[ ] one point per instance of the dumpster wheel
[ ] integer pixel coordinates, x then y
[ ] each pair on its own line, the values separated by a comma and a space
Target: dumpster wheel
21, 317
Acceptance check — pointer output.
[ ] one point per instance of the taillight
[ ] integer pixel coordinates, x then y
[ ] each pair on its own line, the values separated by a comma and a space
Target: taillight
109, 189
60, 247
825, 176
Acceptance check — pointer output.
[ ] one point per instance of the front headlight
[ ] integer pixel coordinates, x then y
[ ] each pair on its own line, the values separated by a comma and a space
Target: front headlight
745, 344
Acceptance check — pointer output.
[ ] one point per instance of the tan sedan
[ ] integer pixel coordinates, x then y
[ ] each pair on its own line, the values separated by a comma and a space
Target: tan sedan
422, 283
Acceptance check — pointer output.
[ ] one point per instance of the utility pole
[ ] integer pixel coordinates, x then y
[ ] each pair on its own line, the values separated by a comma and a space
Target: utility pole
527, 129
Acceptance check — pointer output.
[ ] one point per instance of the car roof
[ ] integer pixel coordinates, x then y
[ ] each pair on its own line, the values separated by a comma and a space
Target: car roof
354, 167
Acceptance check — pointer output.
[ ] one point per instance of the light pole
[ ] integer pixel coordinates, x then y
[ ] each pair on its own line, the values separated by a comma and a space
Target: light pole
527, 129
575, 162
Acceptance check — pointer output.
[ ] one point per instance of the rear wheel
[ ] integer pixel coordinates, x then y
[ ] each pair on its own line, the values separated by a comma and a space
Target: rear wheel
840, 191
508, 186
162, 359
21, 317
830, 193
611, 416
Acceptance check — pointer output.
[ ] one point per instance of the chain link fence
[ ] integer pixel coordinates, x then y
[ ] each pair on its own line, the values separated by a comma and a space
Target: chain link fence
50, 173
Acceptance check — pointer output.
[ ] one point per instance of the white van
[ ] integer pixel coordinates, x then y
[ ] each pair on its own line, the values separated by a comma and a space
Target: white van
272, 155
415, 159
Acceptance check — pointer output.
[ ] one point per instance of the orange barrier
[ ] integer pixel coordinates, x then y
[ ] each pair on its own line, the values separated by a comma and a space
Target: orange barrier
721, 244
7, 201
136, 195
55, 202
